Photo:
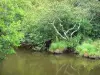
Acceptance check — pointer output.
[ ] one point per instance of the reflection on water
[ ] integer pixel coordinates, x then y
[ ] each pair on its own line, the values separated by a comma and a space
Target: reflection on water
27, 63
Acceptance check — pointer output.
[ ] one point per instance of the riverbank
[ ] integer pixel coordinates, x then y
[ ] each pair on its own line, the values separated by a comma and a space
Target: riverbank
59, 52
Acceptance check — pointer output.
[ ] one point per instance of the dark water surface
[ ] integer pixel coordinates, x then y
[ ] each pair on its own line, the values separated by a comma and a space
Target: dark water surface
27, 63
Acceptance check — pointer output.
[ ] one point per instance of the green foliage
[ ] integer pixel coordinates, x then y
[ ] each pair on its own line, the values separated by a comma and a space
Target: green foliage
37, 23
40, 20
10, 26
96, 43
71, 43
91, 48
61, 45
86, 48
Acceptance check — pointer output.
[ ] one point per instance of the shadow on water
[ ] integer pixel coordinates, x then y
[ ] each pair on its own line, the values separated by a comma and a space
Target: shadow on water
27, 63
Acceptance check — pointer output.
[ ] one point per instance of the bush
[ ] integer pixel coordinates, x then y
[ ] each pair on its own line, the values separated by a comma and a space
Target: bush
60, 45
10, 26
92, 48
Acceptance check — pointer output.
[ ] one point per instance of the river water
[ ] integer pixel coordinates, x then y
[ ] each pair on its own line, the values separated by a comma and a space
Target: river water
28, 63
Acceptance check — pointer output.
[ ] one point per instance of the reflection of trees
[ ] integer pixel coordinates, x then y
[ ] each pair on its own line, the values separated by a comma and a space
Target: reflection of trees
60, 69
67, 69
74, 65
43, 64
27, 64
95, 71
1, 66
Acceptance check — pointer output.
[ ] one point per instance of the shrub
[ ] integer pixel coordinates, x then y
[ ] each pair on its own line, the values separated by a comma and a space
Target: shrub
91, 48
10, 23
61, 45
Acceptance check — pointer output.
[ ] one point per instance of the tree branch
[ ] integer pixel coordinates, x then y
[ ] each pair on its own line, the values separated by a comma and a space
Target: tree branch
75, 31
71, 29
64, 31
57, 31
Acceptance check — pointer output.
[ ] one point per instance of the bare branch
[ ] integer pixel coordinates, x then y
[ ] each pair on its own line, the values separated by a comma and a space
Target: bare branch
64, 31
59, 19
71, 29
75, 31
57, 30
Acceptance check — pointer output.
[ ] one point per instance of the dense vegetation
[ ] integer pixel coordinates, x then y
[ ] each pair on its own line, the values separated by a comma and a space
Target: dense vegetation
10, 26
69, 23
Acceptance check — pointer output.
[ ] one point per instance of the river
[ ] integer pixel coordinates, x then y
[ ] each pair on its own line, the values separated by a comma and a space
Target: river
35, 63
